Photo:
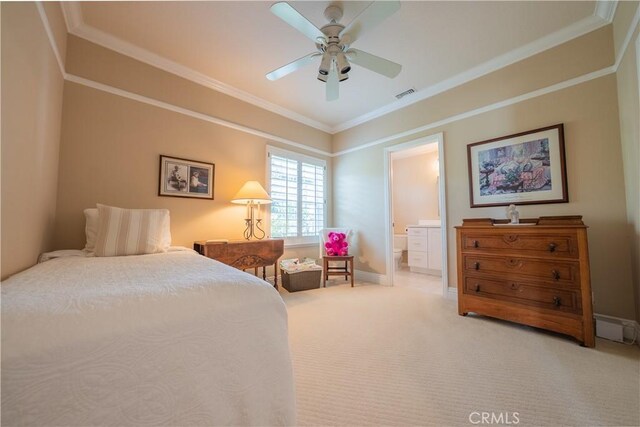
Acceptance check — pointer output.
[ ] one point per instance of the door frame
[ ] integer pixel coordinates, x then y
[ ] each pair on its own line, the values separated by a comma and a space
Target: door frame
388, 201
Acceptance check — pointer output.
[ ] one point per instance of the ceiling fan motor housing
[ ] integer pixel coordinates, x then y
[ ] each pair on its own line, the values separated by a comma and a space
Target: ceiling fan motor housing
333, 50
333, 43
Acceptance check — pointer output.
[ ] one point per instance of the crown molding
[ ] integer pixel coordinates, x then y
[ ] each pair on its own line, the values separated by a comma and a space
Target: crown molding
606, 9
627, 39
72, 15
52, 39
216, 120
77, 27
549, 41
485, 109
603, 14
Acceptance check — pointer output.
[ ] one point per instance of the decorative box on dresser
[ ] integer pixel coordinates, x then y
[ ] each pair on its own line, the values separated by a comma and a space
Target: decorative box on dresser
535, 273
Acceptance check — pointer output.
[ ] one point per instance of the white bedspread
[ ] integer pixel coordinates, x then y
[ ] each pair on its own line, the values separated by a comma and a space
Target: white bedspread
172, 338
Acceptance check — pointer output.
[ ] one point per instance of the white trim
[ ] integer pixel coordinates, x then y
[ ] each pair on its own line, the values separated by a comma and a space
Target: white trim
627, 325
72, 15
452, 293
638, 60
407, 133
495, 106
603, 14
52, 40
627, 39
606, 9
543, 91
128, 49
191, 113
300, 245
388, 203
296, 156
299, 240
369, 277
564, 35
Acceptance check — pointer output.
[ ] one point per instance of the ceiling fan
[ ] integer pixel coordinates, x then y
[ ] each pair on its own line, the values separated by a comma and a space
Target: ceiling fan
333, 43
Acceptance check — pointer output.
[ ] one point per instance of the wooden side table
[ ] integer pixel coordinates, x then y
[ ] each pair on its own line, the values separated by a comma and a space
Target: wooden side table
346, 270
244, 254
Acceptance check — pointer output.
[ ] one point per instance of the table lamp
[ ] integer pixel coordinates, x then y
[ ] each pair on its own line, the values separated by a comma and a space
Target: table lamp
253, 195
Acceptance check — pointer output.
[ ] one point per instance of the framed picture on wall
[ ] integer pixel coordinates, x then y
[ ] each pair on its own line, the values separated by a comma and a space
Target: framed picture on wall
186, 178
521, 169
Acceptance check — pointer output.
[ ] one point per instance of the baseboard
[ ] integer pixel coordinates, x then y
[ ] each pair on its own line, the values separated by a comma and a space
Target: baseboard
630, 328
452, 293
367, 276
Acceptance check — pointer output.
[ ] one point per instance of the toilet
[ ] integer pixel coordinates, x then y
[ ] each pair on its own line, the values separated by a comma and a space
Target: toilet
399, 245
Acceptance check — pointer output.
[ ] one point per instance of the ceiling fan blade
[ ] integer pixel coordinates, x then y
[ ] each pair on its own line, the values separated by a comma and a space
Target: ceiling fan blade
332, 84
374, 14
292, 17
374, 63
291, 67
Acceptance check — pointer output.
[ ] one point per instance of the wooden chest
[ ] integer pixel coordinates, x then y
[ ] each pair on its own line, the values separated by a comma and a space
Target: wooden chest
536, 273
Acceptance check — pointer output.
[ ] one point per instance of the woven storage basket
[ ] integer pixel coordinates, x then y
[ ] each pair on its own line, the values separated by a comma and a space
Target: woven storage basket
301, 281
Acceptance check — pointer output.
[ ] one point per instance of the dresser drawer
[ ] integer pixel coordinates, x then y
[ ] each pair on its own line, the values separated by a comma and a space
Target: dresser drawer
417, 259
417, 243
417, 231
525, 293
553, 245
565, 273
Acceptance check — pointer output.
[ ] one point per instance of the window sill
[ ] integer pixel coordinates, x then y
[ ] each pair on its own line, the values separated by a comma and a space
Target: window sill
300, 245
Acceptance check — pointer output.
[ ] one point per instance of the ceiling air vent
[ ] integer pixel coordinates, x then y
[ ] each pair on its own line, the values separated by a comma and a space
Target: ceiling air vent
405, 93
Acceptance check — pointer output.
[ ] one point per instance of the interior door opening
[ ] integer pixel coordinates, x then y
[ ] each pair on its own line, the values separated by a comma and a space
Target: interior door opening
416, 226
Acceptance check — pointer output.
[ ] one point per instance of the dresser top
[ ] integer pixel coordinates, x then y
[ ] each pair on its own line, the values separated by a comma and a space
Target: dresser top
547, 221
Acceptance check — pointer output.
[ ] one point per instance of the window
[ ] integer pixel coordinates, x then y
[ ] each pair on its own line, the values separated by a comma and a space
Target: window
297, 185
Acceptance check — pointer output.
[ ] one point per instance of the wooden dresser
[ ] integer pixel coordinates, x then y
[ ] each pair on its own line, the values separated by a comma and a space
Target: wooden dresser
536, 273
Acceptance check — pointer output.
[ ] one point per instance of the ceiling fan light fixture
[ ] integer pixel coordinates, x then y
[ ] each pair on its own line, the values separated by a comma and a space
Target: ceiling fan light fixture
325, 64
322, 77
343, 64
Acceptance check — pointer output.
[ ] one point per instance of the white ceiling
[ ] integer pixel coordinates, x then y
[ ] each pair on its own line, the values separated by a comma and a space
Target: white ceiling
237, 43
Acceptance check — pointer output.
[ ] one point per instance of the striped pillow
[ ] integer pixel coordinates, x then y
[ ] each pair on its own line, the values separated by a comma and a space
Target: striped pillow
131, 231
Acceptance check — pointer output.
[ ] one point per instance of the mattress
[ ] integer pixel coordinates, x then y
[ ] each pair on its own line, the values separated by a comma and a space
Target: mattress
171, 339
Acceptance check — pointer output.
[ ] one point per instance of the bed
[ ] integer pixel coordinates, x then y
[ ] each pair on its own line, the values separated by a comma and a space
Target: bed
170, 338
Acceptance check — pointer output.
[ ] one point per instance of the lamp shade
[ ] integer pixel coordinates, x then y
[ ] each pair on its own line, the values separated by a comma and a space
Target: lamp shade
251, 192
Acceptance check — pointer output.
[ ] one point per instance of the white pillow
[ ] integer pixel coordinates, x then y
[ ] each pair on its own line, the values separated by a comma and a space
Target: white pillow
132, 231
91, 228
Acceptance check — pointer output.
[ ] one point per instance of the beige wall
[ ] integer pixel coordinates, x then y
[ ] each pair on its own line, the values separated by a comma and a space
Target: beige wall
629, 108
596, 184
591, 52
110, 148
31, 108
415, 190
88, 60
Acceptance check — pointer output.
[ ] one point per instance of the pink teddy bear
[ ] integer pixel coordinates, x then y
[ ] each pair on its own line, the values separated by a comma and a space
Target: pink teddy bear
337, 244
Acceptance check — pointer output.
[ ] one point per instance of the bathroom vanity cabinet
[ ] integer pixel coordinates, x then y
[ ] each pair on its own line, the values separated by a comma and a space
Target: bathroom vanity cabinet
424, 245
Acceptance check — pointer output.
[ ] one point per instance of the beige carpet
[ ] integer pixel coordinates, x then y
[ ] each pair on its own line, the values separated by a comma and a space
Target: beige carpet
374, 355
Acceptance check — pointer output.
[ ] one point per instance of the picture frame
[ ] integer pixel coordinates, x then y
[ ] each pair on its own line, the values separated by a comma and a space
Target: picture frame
525, 168
186, 178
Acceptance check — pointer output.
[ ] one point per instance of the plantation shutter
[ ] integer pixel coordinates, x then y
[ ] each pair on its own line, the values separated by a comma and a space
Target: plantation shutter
297, 189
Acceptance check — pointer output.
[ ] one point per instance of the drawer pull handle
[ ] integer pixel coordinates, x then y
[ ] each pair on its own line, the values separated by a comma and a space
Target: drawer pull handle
475, 244
477, 288
556, 274
552, 247
556, 301
476, 265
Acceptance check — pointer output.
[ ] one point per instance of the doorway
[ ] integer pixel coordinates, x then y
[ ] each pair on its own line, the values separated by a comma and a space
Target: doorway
415, 213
